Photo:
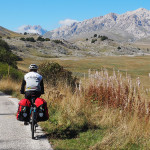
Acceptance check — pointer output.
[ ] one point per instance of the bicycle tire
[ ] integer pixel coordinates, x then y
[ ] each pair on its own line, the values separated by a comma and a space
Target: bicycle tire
32, 125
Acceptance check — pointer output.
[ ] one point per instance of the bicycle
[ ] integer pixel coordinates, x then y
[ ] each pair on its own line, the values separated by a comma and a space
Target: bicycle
33, 116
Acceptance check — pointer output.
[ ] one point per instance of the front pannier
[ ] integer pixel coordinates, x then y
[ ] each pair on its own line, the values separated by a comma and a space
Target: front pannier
42, 110
23, 113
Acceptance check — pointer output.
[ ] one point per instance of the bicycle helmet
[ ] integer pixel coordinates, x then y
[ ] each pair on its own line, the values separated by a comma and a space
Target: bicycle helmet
33, 67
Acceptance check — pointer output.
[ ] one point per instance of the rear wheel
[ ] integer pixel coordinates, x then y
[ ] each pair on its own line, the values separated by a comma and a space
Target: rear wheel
32, 124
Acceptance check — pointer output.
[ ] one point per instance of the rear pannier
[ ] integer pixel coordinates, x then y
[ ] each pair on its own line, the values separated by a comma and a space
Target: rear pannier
42, 110
23, 113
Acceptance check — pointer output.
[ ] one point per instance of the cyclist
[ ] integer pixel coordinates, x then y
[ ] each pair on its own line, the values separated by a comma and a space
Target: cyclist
33, 82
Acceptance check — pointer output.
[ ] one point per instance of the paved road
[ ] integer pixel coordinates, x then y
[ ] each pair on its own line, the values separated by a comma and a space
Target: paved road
13, 134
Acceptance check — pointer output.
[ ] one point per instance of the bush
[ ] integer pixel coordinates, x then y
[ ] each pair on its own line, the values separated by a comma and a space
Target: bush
31, 39
119, 47
58, 41
93, 40
23, 39
6, 56
13, 72
54, 73
95, 35
40, 39
4, 45
47, 39
104, 38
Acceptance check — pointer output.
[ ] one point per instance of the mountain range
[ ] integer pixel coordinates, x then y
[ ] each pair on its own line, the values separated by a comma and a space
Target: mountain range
130, 26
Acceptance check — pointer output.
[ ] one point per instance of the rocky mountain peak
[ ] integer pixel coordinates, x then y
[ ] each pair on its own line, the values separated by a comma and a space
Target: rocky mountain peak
32, 29
129, 26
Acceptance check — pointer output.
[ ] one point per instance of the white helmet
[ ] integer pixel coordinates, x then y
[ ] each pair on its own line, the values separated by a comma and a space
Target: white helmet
33, 66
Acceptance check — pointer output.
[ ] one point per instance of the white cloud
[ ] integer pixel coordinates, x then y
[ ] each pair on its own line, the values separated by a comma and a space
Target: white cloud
67, 22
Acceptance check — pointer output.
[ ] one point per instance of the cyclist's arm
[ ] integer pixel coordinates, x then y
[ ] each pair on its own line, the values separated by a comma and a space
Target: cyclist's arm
22, 90
42, 87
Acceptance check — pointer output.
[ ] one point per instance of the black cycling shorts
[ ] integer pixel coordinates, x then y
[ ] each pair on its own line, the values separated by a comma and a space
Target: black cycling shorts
29, 94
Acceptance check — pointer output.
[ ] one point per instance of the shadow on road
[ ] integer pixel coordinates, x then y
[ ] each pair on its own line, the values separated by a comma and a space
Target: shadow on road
2, 94
43, 136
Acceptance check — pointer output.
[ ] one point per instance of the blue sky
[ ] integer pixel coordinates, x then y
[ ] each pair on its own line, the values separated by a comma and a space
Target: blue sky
49, 13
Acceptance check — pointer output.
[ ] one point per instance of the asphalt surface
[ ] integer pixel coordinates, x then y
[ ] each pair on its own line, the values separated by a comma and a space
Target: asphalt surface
13, 134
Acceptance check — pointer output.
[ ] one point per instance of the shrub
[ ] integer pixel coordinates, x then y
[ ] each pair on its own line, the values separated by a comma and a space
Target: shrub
54, 73
31, 39
40, 39
93, 40
58, 41
47, 39
119, 47
6, 56
3, 44
13, 72
23, 39
95, 35
104, 38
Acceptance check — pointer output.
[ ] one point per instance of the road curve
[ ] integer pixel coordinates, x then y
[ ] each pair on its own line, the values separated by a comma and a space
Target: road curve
13, 134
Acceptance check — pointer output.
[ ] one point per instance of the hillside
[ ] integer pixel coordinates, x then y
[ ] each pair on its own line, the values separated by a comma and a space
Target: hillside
129, 26
89, 47
7, 33
94, 46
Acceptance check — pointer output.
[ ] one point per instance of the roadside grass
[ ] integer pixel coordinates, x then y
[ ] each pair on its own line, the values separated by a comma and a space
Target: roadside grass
10, 87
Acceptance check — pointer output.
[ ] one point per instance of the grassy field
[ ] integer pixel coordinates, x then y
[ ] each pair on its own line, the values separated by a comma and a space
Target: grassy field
134, 66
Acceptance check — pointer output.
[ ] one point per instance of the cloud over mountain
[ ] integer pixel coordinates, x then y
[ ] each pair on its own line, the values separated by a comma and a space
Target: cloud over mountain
32, 29
67, 22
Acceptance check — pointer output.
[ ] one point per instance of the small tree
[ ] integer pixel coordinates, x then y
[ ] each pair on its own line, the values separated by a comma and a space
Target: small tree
25, 33
119, 47
93, 40
95, 35
104, 38
40, 39
31, 39
47, 39
58, 41
23, 39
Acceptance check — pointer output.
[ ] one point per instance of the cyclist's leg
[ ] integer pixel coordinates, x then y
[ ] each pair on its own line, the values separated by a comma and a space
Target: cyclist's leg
27, 96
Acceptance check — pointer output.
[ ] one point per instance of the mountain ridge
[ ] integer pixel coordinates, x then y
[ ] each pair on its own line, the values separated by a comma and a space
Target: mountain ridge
130, 26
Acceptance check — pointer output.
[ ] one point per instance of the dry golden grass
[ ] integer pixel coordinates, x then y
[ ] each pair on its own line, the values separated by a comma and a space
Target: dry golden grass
9, 84
111, 101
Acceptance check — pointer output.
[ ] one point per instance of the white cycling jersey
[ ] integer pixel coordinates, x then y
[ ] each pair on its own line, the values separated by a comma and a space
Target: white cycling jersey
33, 80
